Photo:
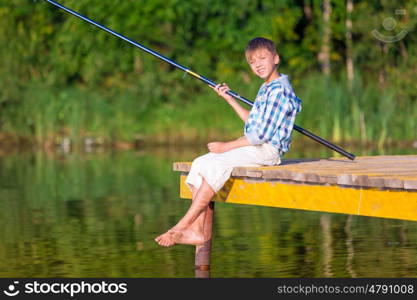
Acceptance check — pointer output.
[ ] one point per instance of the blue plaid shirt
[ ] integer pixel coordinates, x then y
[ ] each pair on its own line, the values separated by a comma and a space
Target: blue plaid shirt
273, 114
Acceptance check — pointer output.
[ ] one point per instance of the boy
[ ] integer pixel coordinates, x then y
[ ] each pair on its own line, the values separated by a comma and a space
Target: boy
267, 136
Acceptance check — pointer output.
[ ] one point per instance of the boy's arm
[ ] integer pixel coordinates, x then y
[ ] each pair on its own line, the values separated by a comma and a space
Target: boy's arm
221, 90
220, 147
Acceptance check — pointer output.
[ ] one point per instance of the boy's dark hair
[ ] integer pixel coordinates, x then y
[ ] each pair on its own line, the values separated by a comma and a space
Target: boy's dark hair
260, 43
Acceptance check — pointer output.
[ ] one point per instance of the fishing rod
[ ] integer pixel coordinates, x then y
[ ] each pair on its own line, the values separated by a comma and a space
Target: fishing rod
202, 78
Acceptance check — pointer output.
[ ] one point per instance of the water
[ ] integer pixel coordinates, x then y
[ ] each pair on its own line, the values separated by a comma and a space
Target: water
96, 215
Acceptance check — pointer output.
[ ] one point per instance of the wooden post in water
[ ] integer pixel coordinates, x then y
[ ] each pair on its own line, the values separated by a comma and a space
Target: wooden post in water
202, 253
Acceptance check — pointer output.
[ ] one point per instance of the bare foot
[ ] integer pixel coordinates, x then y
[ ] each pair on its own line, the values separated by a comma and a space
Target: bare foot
165, 239
184, 236
187, 236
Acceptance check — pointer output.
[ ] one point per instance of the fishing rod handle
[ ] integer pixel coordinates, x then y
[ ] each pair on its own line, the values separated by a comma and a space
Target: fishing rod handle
324, 142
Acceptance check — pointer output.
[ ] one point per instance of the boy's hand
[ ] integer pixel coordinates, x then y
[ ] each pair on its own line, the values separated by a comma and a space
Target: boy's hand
218, 147
221, 90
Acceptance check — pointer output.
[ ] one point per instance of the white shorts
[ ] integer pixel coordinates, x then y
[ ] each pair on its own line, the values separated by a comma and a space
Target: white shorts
217, 168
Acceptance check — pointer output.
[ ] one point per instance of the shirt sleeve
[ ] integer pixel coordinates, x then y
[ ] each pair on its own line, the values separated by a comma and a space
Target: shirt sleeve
272, 114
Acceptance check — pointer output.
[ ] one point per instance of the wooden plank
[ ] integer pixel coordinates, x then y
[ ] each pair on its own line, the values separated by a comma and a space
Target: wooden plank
182, 166
396, 172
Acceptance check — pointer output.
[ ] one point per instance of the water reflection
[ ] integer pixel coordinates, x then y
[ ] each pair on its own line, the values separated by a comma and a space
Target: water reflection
202, 273
327, 245
96, 215
349, 247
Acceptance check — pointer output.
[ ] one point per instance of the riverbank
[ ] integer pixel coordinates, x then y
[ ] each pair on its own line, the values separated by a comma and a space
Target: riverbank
86, 117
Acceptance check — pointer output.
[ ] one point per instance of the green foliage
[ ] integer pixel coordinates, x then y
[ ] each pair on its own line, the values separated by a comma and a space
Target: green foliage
61, 76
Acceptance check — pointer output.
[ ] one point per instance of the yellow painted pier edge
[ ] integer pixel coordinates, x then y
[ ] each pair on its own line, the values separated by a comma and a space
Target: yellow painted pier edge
373, 186
395, 204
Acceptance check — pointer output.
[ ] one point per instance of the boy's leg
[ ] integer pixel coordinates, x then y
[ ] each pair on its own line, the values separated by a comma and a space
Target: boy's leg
184, 232
198, 224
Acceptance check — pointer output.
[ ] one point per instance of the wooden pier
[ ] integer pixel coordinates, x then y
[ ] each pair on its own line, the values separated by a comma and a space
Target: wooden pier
375, 186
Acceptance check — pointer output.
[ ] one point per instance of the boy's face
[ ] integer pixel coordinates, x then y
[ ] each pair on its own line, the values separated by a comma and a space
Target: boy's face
263, 63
